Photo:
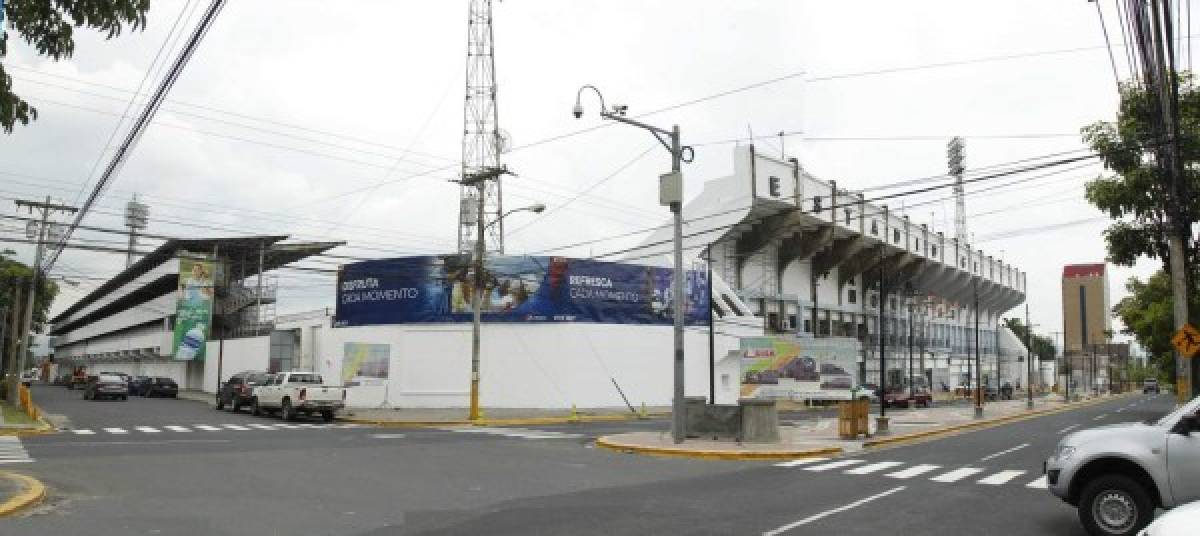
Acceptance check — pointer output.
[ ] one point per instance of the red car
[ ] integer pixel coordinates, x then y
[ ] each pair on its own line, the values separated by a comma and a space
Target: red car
904, 399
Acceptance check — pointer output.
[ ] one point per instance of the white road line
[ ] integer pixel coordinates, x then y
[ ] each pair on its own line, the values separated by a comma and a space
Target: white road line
235, 427
116, 430
1040, 483
868, 469
387, 436
913, 471
1001, 478
1098, 417
1068, 429
957, 474
83, 432
262, 426
1003, 452
12, 451
206, 428
175, 428
801, 461
288, 426
832, 465
147, 429
810, 519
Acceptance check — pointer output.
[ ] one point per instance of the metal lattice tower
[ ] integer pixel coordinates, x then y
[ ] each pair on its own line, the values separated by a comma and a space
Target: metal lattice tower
482, 138
954, 159
137, 215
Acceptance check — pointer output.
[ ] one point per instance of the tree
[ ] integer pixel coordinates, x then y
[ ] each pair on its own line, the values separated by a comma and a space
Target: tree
1043, 347
48, 26
1148, 317
14, 274
1137, 196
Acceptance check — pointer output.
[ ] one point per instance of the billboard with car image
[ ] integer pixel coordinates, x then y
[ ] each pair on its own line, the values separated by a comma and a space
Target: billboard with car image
799, 368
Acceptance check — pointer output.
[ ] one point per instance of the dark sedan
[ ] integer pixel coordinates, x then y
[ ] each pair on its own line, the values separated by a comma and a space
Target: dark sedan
106, 386
159, 386
138, 385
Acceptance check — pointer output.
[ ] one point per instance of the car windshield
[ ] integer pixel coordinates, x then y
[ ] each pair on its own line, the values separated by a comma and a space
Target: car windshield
1185, 409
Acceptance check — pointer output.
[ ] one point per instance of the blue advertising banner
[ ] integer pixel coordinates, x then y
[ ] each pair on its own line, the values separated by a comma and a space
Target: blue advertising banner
516, 289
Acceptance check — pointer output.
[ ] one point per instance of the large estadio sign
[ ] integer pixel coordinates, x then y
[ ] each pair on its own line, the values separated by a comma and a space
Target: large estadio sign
515, 289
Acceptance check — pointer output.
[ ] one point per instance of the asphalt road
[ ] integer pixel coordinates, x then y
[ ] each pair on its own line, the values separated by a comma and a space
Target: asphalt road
180, 467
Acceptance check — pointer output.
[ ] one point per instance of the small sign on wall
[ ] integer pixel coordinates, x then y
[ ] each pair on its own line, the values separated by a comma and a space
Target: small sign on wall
365, 363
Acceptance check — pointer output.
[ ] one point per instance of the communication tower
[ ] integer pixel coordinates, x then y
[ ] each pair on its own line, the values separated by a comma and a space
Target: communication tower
483, 140
137, 215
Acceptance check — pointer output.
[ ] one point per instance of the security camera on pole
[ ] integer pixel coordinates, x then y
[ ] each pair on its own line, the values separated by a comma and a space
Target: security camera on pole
670, 193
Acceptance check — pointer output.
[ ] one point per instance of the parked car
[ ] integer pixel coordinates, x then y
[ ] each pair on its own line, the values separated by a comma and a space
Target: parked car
79, 378
1150, 386
138, 385
160, 386
106, 386
63, 379
903, 398
1006, 391
1181, 521
1118, 475
238, 390
28, 377
295, 393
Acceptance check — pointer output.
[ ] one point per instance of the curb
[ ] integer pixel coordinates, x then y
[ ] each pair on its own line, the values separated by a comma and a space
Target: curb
33, 493
500, 422
987, 423
629, 448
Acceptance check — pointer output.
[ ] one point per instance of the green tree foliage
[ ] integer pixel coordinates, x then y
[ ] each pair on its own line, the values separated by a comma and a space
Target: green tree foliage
1043, 347
1148, 317
14, 274
1136, 196
48, 26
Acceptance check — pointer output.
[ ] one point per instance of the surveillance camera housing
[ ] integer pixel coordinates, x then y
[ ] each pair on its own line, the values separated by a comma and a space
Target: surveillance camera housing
620, 109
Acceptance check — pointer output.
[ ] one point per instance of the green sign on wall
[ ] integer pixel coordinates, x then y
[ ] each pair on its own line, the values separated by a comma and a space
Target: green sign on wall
193, 311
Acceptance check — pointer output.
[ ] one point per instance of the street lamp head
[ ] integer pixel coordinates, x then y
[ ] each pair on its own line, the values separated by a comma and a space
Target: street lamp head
537, 208
578, 110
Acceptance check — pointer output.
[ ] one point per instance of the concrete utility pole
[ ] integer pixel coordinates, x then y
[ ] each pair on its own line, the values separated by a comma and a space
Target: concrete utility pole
1028, 359
46, 207
670, 193
978, 375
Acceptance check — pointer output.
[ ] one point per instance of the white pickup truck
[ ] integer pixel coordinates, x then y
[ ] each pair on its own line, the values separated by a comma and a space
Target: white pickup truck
293, 393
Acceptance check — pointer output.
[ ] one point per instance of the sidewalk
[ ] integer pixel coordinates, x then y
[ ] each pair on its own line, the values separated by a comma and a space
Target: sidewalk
820, 437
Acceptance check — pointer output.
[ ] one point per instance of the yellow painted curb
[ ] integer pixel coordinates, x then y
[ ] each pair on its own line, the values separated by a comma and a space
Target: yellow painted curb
606, 443
988, 423
33, 493
497, 422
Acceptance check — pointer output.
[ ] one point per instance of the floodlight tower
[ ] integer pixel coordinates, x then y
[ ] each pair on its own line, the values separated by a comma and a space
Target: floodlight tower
482, 138
954, 158
137, 215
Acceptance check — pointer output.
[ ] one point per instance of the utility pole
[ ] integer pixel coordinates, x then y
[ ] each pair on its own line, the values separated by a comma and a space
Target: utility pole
978, 375
1028, 359
912, 390
712, 342
46, 207
882, 336
479, 182
11, 351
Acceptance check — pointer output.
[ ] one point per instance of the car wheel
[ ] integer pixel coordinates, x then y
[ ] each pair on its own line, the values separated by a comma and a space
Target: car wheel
220, 403
327, 416
286, 412
254, 409
234, 406
124, 397
174, 396
85, 396
1115, 505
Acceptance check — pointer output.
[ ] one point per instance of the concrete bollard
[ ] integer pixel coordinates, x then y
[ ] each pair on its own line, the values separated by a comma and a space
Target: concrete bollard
760, 420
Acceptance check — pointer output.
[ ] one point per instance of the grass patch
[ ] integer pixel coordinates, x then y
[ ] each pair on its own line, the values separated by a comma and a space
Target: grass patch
12, 415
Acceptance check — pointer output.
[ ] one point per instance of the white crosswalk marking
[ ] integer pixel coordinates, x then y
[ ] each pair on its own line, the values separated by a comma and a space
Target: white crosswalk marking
175, 428
1002, 477
1040, 483
262, 426
957, 474
116, 430
147, 429
206, 428
868, 469
12, 451
235, 427
913, 471
520, 433
801, 461
832, 465
83, 432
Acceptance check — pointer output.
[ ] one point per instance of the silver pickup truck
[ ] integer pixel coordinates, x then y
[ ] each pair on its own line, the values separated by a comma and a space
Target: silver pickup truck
1117, 475
295, 393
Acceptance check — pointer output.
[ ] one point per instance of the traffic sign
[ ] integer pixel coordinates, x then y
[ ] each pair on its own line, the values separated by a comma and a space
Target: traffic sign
1187, 341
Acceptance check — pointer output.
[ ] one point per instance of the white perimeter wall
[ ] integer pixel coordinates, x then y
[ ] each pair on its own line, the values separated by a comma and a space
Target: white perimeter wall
250, 353
523, 365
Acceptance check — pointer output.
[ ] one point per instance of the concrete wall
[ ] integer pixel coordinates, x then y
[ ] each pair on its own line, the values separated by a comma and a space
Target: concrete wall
238, 354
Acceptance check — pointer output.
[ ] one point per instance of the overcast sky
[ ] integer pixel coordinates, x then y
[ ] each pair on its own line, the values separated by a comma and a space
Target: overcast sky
344, 120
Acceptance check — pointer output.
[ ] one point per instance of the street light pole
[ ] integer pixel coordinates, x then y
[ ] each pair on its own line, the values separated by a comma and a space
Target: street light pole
479, 181
978, 375
671, 194
1028, 359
